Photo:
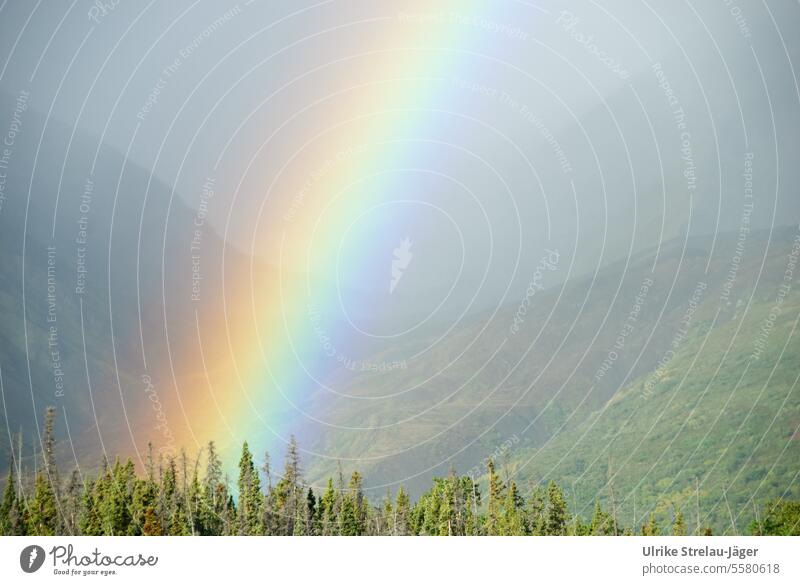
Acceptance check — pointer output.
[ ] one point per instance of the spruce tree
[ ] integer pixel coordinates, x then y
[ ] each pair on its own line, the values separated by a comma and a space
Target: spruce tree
513, 516
90, 523
289, 495
385, 520
8, 504
444, 495
121, 498
311, 514
494, 510
250, 498
144, 498
354, 514
271, 522
602, 522
167, 493
194, 501
678, 524
214, 494
557, 514
71, 504
13, 515
48, 451
230, 518
329, 522
651, 527
471, 505
535, 511
43, 516
145, 501
180, 523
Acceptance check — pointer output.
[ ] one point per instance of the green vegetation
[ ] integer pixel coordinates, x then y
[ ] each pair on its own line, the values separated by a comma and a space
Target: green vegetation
712, 432
173, 498
708, 429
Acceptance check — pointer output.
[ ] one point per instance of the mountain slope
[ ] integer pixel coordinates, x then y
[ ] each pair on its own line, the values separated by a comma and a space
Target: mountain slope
511, 394
716, 426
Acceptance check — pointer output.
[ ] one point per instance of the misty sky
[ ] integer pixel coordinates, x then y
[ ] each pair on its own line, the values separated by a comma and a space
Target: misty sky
558, 122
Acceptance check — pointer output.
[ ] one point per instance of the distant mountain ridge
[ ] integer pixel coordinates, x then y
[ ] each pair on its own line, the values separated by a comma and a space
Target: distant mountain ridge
602, 354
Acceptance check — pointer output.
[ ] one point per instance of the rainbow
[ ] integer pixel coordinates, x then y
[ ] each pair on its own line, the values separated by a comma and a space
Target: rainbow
273, 344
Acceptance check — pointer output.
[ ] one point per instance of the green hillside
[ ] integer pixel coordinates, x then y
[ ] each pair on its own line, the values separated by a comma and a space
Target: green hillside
711, 431
539, 395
